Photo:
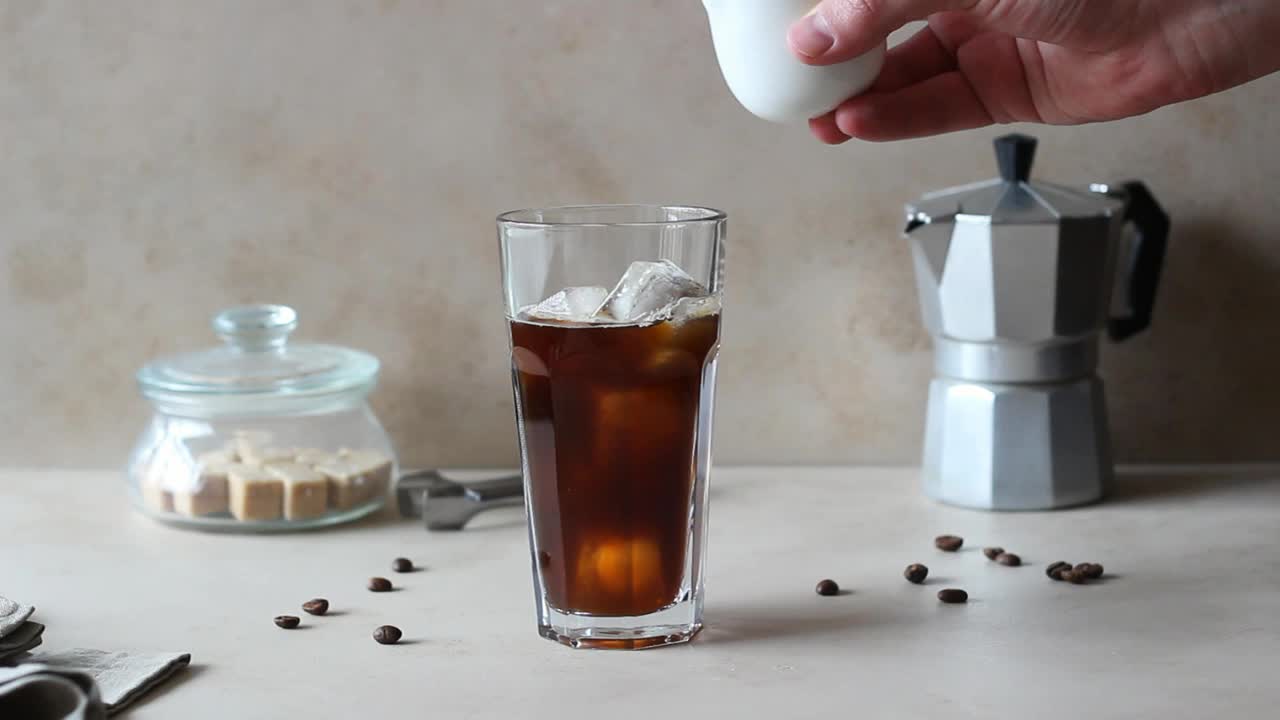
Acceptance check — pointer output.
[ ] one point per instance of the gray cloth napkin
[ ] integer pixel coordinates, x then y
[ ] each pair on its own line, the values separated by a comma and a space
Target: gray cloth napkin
77, 684
12, 615
122, 677
37, 692
19, 641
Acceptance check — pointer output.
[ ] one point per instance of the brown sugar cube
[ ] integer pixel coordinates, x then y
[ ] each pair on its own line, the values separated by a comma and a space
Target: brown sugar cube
155, 497
306, 492
314, 456
357, 477
259, 456
210, 494
246, 445
347, 487
375, 466
273, 456
255, 494
251, 448
350, 483
225, 456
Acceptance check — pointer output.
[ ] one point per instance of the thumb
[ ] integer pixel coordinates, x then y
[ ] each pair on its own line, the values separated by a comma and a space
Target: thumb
839, 30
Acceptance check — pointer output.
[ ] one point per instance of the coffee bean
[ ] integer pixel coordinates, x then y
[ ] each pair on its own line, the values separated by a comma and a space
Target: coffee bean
402, 565
1093, 571
949, 543
288, 622
915, 573
992, 552
952, 596
387, 635
379, 584
1055, 570
318, 606
1009, 559
827, 588
1075, 577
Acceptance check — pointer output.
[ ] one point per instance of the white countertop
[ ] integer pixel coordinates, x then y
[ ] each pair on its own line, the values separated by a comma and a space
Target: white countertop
1187, 624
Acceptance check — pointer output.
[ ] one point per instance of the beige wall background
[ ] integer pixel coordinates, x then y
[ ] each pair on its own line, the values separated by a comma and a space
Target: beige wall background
160, 160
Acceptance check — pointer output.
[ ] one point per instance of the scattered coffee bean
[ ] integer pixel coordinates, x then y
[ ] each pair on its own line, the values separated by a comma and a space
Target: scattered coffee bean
379, 584
402, 565
827, 588
1008, 559
387, 635
318, 606
915, 573
992, 552
1075, 577
1093, 571
952, 596
949, 543
288, 622
1055, 570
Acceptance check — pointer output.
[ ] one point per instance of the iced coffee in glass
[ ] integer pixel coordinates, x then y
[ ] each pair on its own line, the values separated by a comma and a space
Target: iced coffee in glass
614, 315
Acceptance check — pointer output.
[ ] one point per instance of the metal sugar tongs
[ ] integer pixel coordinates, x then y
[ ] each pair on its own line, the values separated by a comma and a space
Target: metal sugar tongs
446, 504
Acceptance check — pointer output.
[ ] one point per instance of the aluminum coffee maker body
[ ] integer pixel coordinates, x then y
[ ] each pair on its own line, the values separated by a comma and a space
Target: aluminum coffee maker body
1015, 280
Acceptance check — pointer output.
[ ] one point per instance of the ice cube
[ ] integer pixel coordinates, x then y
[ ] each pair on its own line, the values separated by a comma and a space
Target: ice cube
648, 292
633, 428
622, 568
696, 307
572, 304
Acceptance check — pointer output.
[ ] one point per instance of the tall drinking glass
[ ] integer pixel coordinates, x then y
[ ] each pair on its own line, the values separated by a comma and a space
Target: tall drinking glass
614, 313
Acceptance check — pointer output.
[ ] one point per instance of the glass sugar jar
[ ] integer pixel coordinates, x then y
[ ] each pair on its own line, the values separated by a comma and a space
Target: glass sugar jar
261, 434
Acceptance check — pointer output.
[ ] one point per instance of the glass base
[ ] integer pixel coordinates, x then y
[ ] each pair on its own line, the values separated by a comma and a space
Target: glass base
671, 626
609, 639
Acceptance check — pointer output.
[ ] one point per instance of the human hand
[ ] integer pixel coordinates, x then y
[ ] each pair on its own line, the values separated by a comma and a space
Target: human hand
1061, 62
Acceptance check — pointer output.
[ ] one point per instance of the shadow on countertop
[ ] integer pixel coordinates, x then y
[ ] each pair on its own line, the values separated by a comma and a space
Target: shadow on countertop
1146, 484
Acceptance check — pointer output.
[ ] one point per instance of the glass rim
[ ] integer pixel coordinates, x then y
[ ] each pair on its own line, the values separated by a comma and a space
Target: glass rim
525, 217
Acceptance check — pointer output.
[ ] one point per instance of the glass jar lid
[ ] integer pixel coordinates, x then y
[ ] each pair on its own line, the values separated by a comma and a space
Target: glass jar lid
258, 371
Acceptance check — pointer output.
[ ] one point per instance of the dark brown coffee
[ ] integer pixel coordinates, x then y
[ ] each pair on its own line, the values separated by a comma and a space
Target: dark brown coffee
609, 419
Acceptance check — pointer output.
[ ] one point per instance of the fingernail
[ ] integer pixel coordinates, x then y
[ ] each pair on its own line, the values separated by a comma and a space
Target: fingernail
811, 36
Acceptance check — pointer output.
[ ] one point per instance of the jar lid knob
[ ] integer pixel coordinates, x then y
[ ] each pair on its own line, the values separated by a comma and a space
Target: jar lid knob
256, 328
